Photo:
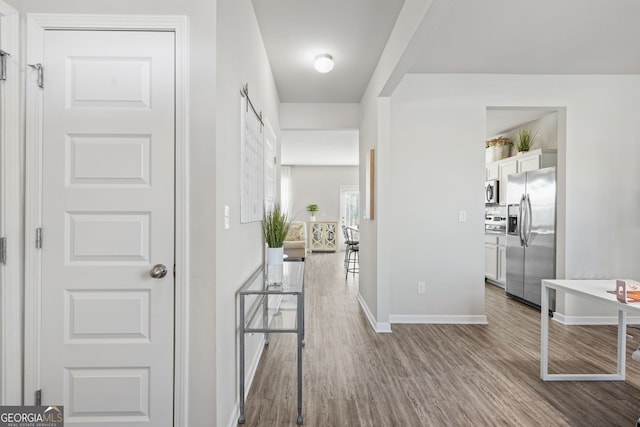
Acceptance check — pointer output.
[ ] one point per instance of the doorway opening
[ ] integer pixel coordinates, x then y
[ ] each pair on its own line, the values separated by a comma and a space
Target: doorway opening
349, 208
504, 126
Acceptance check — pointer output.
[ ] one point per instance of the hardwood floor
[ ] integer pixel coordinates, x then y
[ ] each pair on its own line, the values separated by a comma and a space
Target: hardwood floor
437, 375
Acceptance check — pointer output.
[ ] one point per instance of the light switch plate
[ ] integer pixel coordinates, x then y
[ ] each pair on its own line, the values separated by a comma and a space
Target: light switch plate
462, 216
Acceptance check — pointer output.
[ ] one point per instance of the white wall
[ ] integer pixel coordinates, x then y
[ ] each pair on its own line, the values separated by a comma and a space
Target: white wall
437, 169
202, 173
375, 282
319, 185
368, 252
602, 180
316, 116
226, 29
239, 250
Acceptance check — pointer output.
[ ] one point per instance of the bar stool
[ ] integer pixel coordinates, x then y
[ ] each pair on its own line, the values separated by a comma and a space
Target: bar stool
352, 265
348, 240
351, 253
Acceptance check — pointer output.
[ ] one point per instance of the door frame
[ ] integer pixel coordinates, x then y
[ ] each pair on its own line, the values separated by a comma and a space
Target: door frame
11, 212
37, 24
344, 189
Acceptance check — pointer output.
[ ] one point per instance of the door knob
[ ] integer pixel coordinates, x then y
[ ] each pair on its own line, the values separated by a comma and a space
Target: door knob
158, 271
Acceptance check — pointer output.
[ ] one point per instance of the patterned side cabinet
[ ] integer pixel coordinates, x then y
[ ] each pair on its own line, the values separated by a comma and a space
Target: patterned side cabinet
323, 236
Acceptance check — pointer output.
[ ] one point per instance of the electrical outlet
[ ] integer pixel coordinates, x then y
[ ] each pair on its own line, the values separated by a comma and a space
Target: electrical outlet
462, 216
422, 287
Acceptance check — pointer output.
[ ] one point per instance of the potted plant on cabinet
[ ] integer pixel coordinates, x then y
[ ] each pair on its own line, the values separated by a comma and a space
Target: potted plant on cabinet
498, 149
312, 209
275, 226
525, 140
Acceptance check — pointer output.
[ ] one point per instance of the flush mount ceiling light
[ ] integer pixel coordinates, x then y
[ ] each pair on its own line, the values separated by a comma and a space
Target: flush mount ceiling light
323, 63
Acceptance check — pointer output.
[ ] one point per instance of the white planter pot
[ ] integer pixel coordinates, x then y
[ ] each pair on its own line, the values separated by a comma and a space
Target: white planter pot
275, 256
312, 218
275, 264
497, 152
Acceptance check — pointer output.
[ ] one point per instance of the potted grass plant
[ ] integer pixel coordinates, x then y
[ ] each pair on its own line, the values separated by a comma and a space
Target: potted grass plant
525, 140
275, 226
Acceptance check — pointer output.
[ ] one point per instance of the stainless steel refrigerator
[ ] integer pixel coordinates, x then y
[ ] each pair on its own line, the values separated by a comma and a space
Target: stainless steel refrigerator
531, 233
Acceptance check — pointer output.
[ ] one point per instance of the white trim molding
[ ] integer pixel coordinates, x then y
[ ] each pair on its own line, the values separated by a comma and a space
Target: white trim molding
248, 380
440, 319
11, 214
37, 24
592, 320
379, 327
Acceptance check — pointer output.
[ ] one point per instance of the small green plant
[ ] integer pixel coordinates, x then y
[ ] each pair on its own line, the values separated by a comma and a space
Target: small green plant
313, 208
525, 139
275, 226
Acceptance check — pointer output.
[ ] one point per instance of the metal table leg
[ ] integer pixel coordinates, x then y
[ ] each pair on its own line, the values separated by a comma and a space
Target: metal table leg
241, 418
300, 344
265, 317
622, 343
302, 309
544, 333
544, 348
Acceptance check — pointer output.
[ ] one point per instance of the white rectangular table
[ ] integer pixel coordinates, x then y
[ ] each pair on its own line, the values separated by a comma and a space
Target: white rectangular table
593, 290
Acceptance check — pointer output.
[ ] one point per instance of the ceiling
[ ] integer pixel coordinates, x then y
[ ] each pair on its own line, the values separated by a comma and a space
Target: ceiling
531, 37
354, 32
459, 36
456, 36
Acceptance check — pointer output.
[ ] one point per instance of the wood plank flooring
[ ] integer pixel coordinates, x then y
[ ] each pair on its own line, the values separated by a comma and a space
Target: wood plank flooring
437, 375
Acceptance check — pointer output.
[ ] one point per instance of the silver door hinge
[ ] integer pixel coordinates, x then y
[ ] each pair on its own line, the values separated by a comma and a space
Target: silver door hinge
38, 397
3, 64
38, 238
38, 68
3, 250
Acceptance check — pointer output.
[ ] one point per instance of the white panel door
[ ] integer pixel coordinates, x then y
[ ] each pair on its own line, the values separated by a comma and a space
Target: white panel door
107, 219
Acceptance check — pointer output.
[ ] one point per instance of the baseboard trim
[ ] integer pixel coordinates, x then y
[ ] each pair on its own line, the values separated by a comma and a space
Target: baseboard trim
378, 327
248, 380
592, 320
438, 319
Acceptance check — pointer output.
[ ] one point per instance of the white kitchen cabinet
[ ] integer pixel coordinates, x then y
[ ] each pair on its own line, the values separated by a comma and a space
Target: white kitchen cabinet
502, 260
537, 159
490, 261
531, 160
495, 259
493, 171
528, 163
506, 169
502, 264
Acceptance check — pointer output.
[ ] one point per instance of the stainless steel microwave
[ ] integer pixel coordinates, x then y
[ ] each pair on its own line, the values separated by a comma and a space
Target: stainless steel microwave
491, 192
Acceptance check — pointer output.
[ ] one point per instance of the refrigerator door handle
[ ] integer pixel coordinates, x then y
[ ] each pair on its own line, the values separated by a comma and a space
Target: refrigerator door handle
521, 221
527, 236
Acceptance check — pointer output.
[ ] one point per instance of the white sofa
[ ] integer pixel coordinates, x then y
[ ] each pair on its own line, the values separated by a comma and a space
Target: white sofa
295, 244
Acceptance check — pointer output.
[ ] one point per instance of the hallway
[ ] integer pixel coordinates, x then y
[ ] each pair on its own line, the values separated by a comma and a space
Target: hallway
436, 375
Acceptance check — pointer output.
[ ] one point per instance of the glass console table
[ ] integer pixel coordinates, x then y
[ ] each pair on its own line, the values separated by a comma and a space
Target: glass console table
268, 308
